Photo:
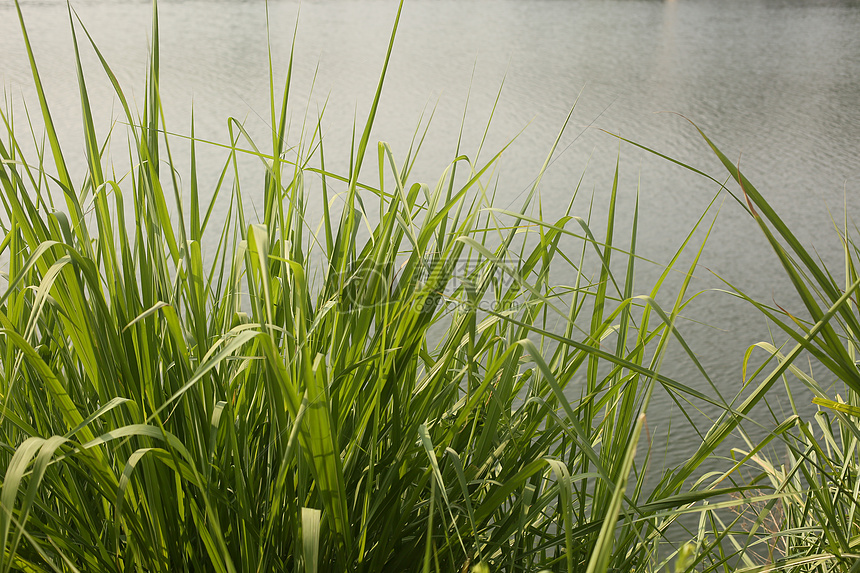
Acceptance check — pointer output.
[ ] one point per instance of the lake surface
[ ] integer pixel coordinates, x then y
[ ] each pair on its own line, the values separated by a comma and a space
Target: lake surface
775, 83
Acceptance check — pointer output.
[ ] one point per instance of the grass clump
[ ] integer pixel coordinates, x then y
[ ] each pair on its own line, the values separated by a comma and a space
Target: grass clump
803, 516
159, 414
800, 513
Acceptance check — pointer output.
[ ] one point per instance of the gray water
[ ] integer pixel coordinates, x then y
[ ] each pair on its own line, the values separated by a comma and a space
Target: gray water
775, 83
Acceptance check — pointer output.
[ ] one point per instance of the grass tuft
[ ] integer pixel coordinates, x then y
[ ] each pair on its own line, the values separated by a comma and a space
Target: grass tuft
391, 393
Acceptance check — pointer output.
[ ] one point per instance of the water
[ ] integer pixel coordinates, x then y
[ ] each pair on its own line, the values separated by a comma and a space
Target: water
774, 82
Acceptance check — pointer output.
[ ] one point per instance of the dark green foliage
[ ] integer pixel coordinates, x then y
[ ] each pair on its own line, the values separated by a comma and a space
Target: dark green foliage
159, 414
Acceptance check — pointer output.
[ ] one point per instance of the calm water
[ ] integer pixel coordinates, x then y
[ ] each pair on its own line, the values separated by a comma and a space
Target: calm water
776, 83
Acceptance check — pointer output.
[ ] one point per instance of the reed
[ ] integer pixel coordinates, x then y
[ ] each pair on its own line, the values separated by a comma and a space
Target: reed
408, 411
803, 515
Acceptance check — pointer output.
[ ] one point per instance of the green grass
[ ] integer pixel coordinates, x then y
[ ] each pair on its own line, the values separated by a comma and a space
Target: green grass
162, 414
804, 515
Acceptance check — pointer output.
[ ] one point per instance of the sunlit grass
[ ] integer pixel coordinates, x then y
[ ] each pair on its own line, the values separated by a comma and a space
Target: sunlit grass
416, 409
803, 515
